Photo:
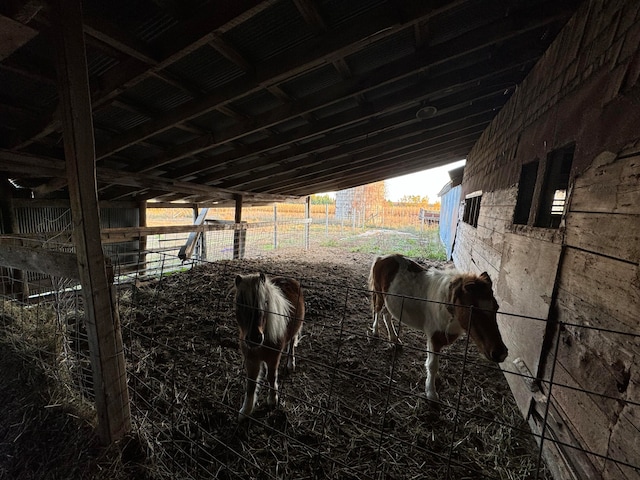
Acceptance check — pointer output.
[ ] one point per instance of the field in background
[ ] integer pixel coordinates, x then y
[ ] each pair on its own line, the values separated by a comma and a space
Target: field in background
378, 230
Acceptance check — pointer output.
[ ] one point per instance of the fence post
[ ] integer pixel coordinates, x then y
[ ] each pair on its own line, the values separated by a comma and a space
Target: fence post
197, 248
307, 216
275, 226
238, 238
326, 219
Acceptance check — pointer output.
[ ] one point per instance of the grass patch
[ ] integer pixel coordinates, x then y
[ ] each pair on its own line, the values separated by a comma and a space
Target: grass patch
425, 245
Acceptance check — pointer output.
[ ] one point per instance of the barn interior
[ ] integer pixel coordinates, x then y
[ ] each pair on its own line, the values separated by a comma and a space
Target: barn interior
111, 108
200, 102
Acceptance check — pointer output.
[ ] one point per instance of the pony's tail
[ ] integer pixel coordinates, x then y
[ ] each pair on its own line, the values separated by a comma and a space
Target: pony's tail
377, 301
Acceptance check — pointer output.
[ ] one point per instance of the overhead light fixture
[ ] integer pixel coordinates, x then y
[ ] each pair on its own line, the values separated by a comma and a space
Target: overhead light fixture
426, 112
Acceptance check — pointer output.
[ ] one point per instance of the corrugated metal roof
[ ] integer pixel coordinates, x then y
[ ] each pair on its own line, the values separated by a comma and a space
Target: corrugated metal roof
157, 95
270, 33
178, 89
206, 69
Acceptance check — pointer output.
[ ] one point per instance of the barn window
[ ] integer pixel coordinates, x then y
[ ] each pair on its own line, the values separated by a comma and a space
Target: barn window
526, 188
472, 208
554, 189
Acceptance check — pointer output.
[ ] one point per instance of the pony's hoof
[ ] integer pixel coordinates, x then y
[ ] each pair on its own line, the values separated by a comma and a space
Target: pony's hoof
433, 397
243, 417
272, 401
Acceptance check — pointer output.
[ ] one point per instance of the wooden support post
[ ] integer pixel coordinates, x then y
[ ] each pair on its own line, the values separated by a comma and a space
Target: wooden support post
105, 341
239, 235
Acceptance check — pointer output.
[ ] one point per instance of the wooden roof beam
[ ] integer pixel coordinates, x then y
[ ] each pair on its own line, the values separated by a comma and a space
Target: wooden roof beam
409, 97
312, 16
13, 35
441, 55
443, 127
274, 73
335, 45
291, 177
186, 37
373, 171
42, 166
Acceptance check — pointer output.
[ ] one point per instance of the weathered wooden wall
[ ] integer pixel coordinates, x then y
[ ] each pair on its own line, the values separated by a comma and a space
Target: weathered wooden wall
50, 221
583, 278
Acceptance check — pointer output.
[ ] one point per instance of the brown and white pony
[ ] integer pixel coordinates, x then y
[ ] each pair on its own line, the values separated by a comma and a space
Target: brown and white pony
269, 312
442, 303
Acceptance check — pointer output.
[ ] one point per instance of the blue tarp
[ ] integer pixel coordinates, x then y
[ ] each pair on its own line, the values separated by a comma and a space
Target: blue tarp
449, 207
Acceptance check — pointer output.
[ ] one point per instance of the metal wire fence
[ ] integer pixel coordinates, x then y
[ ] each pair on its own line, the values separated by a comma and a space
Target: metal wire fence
355, 407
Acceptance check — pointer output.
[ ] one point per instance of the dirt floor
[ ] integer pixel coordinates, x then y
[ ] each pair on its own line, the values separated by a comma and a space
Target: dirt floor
354, 408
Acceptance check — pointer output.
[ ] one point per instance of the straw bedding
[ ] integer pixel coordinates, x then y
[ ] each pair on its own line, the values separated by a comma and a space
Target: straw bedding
354, 408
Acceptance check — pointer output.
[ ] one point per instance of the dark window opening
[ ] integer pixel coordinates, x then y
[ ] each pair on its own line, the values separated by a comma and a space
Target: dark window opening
554, 189
472, 210
526, 188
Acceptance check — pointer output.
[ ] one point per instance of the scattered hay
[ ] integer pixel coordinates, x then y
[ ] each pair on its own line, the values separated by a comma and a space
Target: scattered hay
47, 426
355, 407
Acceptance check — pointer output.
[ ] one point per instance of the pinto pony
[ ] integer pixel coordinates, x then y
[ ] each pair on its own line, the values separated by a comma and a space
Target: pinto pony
443, 304
269, 312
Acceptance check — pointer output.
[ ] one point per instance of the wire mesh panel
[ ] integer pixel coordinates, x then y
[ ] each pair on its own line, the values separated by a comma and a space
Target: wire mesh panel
354, 407
49, 327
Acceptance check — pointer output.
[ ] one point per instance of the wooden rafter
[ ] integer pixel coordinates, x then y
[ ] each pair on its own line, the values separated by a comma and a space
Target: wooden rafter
215, 140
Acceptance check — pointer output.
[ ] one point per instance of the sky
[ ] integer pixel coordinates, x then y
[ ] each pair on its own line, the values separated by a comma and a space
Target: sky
426, 183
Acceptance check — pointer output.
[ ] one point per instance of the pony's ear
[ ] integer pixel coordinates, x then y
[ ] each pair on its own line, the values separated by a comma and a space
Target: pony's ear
262, 277
484, 276
238, 280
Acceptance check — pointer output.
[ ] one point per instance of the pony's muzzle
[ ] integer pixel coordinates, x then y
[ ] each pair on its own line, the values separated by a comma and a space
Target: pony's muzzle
499, 355
254, 339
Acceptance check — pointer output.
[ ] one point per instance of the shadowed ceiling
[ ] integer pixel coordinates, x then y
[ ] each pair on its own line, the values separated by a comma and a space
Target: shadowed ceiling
199, 100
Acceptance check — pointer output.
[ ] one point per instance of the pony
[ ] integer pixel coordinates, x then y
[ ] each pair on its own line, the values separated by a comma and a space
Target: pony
269, 313
442, 303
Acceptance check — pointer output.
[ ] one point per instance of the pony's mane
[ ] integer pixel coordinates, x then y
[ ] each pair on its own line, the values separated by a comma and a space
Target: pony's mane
443, 276
278, 310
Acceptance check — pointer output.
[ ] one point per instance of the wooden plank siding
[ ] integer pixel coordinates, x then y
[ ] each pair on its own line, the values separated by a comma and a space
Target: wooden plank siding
525, 287
611, 304
582, 415
600, 233
581, 279
599, 288
610, 185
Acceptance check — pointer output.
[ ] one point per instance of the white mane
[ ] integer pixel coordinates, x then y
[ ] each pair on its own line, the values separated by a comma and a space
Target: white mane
277, 308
